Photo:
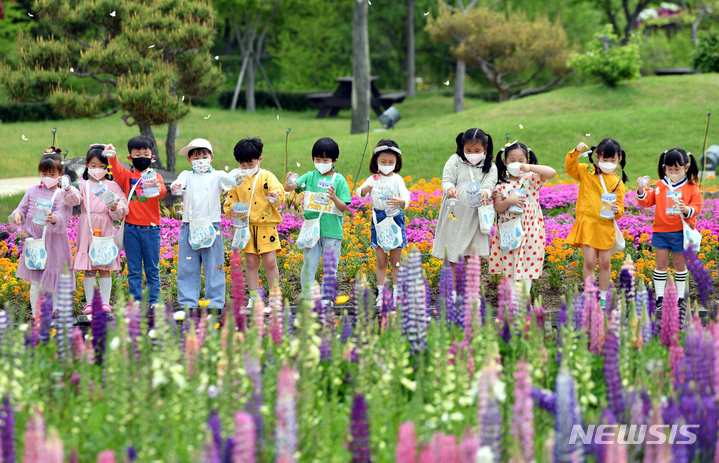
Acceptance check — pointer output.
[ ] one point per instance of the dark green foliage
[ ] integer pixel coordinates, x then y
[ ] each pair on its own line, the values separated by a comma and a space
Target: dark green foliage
290, 101
706, 54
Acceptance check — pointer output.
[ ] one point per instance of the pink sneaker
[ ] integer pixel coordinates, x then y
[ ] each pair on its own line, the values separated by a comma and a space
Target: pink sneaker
87, 310
107, 308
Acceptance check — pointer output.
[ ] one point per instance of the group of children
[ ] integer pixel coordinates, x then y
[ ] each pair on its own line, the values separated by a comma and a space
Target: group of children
475, 186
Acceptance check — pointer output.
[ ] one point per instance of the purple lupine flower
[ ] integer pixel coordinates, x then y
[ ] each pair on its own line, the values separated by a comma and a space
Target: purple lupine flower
692, 356
641, 297
689, 408
329, 280
670, 314
227, 452
346, 329
7, 431
210, 453
131, 454
445, 304
359, 428
522, 413
325, 349
504, 300
471, 292
707, 432
133, 327
545, 399
254, 402
289, 320
99, 327
237, 290
45, 319
244, 437
387, 304
700, 275
626, 285
460, 283
213, 422
506, 334
578, 310
367, 313
286, 429
416, 312
64, 314
4, 323
483, 308
565, 418
652, 311
562, 321
705, 369
611, 368
428, 300
489, 418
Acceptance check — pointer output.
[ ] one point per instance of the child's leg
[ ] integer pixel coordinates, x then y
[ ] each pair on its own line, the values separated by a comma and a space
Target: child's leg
213, 264
252, 261
88, 283
605, 271
395, 257
269, 261
105, 286
189, 271
381, 266
660, 272
590, 261
34, 295
151, 259
310, 261
133, 257
680, 274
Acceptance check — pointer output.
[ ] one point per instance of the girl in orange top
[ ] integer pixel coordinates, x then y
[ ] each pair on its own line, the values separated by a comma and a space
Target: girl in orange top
678, 171
594, 234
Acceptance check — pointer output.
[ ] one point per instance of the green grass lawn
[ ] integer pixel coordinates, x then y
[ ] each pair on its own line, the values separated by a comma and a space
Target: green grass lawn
647, 117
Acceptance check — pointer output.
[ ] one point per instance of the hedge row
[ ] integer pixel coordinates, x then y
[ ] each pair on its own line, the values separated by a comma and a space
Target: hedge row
28, 112
290, 101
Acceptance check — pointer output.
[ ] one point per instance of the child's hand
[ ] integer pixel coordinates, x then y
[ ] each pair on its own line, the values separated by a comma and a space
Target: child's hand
396, 202
526, 168
331, 193
51, 219
581, 147
640, 185
615, 208
114, 207
274, 195
485, 197
452, 193
515, 200
17, 218
366, 190
176, 187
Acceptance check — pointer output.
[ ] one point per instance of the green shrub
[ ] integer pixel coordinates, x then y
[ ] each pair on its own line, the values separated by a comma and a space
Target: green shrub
661, 52
706, 53
28, 112
290, 101
613, 65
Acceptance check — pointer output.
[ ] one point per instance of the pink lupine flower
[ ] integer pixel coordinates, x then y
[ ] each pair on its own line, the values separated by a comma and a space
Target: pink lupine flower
472, 295
427, 455
468, 448
54, 449
78, 344
523, 417
89, 351
504, 300
286, 430
108, 456
406, 450
202, 329
243, 450
35, 439
670, 314
258, 317
191, 349
237, 290
276, 315
676, 362
596, 317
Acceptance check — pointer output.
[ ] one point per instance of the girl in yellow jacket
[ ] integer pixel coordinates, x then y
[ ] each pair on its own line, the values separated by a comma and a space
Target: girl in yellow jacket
593, 229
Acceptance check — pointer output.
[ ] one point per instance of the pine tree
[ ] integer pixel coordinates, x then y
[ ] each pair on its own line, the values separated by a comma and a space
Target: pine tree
152, 58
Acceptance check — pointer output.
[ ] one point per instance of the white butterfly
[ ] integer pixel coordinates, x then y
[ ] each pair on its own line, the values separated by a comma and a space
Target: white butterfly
426, 13
217, 57
151, 46
589, 134
23, 137
521, 126
208, 116
446, 83
112, 14
30, 15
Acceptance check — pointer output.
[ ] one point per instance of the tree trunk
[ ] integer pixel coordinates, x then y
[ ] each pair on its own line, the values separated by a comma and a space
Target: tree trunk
170, 145
146, 130
228, 37
410, 49
459, 86
503, 94
360, 68
250, 85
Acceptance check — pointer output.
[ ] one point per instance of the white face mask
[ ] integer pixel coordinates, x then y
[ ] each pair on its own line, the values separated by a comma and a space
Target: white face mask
607, 167
675, 178
49, 182
97, 174
387, 169
323, 168
201, 166
251, 172
514, 169
474, 158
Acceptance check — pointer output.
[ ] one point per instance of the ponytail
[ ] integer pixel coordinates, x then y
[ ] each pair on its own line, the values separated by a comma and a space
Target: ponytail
622, 163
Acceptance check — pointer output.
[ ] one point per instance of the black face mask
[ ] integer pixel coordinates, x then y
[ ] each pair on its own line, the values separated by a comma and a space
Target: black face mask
141, 163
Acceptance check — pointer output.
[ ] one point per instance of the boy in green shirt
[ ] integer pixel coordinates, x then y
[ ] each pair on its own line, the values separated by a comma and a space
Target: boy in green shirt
328, 192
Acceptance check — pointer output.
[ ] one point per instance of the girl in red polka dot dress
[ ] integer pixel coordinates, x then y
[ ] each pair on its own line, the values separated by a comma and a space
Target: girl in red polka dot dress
518, 174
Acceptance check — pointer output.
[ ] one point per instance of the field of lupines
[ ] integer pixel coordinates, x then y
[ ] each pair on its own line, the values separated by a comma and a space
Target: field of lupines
457, 382
563, 264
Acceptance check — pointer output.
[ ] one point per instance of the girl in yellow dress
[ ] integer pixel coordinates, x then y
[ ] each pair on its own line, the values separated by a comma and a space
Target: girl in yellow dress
593, 229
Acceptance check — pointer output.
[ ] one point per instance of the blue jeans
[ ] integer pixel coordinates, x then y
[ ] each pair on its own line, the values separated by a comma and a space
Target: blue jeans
142, 246
311, 259
190, 265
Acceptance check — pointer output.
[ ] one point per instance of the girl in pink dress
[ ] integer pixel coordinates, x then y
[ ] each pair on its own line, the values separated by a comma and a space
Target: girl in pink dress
102, 216
517, 196
57, 243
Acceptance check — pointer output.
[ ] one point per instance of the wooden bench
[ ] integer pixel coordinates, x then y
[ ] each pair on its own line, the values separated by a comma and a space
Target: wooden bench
332, 103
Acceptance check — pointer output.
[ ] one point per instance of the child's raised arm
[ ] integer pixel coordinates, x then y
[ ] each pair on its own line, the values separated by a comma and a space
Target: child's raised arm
72, 196
545, 172
645, 196
571, 164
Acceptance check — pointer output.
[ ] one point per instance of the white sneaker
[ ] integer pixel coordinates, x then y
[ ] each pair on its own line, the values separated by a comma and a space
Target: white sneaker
250, 303
380, 294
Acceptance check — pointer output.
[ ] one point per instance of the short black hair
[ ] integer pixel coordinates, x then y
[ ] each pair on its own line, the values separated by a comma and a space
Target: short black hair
326, 147
374, 165
140, 142
50, 162
248, 149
